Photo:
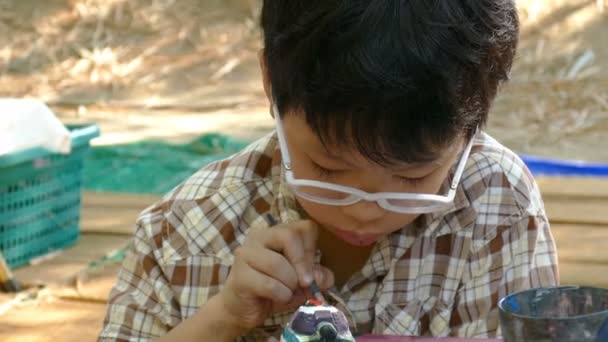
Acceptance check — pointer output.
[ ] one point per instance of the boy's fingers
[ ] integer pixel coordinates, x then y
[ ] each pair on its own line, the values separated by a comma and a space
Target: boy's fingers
272, 264
324, 277
299, 297
303, 257
297, 242
263, 286
310, 234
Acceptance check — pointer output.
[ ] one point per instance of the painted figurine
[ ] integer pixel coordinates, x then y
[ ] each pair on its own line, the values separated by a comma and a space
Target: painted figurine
316, 321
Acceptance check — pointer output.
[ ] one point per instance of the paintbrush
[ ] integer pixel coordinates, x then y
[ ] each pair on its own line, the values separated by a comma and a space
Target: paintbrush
316, 292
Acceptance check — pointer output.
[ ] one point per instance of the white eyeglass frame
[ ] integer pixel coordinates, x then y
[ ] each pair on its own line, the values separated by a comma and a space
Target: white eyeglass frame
439, 202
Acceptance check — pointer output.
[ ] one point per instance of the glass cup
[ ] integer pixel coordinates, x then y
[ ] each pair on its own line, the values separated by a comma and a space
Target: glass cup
563, 313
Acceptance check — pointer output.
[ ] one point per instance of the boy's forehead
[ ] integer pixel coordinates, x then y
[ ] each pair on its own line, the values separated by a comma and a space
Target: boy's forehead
350, 155
346, 151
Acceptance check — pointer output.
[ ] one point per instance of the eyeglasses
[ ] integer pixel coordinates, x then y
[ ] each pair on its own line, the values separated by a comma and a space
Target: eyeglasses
340, 195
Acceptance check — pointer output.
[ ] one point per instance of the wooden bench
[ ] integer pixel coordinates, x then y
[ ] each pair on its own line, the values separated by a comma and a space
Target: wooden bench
578, 211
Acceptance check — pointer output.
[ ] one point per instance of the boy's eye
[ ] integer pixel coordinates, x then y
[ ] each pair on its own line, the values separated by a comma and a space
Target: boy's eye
323, 171
411, 181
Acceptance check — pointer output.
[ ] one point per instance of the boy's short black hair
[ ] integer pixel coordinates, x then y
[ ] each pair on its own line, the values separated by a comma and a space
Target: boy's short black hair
399, 80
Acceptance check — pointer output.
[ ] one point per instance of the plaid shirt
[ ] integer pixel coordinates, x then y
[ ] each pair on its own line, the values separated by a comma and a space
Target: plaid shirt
441, 275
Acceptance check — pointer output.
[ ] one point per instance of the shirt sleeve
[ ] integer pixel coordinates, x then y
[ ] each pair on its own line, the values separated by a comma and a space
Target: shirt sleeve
518, 257
141, 304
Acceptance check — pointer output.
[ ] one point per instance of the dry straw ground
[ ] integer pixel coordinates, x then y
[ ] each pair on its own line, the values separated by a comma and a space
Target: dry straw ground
200, 56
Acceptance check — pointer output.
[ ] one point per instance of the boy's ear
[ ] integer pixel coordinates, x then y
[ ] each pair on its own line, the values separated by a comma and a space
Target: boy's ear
265, 75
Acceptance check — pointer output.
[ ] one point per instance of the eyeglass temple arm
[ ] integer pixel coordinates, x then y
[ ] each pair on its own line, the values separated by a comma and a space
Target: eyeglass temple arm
463, 162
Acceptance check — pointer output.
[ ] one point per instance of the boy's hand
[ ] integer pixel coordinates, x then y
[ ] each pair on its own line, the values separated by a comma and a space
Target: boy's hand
272, 272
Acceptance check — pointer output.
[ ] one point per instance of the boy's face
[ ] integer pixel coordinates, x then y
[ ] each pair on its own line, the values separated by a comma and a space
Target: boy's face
362, 223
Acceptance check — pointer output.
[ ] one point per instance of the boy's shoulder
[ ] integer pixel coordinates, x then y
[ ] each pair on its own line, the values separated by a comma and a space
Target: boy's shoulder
498, 182
252, 165
205, 213
496, 191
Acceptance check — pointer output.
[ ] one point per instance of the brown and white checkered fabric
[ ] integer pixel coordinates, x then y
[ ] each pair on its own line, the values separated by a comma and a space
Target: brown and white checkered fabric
441, 275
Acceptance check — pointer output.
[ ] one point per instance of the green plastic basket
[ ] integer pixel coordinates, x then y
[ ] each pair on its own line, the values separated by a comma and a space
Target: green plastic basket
40, 198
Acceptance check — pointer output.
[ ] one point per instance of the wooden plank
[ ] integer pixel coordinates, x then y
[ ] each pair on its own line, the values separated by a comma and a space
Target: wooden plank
575, 199
112, 213
577, 210
94, 284
63, 267
102, 220
118, 200
582, 253
572, 273
50, 321
581, 244
573, 187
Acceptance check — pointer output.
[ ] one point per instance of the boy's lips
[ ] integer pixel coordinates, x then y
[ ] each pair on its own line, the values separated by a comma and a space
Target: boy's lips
356, 239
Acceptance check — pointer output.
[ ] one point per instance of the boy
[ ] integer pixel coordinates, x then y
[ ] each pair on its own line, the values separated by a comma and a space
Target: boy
384, 189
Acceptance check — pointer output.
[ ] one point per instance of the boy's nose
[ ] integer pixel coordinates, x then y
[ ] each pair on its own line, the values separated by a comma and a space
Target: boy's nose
364, 211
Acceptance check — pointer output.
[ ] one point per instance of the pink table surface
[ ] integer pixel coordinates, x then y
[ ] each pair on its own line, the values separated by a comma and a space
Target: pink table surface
376, 338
